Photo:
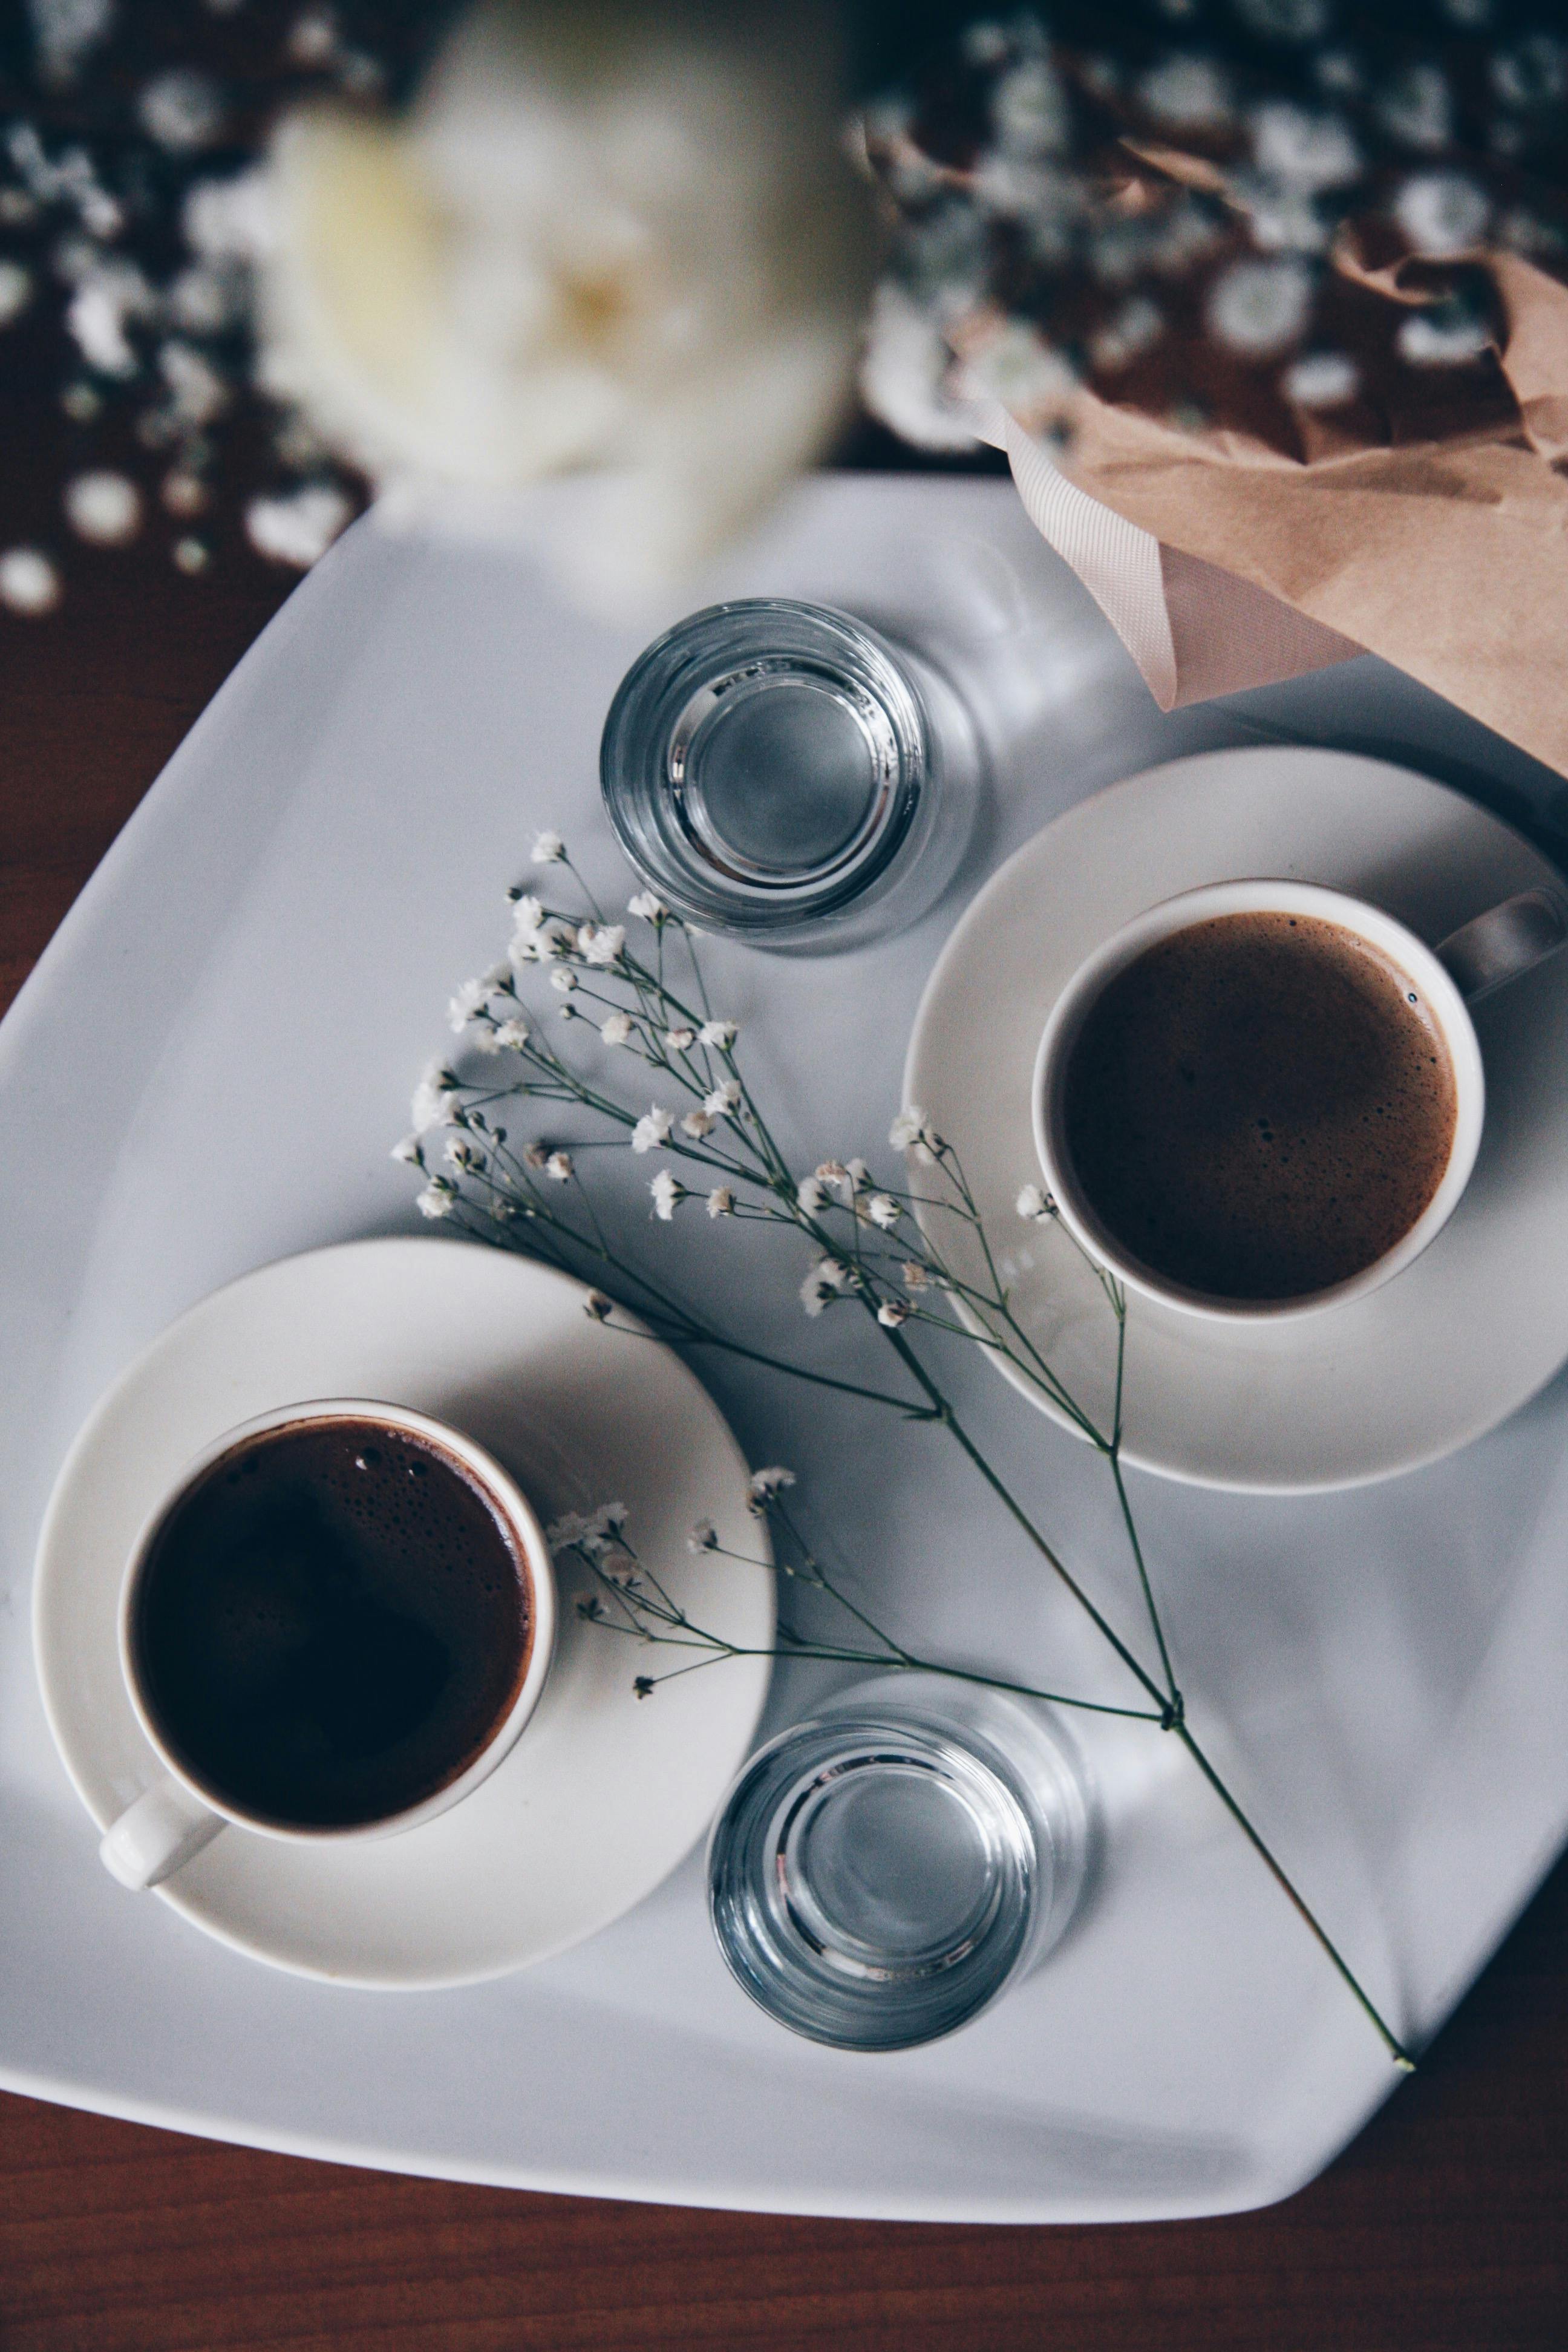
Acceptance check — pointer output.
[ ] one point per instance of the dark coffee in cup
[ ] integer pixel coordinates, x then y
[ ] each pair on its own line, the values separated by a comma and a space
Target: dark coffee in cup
333, 1621
1259, 1107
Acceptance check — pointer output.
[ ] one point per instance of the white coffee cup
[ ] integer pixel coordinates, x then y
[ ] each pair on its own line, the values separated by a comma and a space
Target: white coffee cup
1497, 946
171, 1822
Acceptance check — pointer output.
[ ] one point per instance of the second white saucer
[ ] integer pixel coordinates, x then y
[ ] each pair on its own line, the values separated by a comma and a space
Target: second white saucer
604, 1794
1357, 1392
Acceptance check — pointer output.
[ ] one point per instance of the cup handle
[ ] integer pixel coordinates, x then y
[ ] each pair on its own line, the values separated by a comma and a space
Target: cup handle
163, 1830
1503, 942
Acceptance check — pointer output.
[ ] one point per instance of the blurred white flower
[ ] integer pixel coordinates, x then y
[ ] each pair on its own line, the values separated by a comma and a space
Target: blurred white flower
725, 1100
648, 907
652, 1131
1259, 307
1322, 380
601, 943
15, 291
468, 1002
615, 1028
810, 1196
883, 1211
549, 849
1442, 212
611, 236
721, 1034
558, 1167
435, 1100
720, 1201
102, 508
299, 528
667, 1192
772, 1481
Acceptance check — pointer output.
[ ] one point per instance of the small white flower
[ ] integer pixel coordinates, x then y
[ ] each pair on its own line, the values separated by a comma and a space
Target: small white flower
667, 1192
765, 1484
563, 980
484, 1039
435, 1101
704, 1537
892, 1312
860, 1174
549, 849
721, 1034
467, 1004
914, 1276
697, 1124
810, 1196
720, 1201
616, 1028
558, 1167
1034, 1205
647, 908
460, 1153
836, 1176
597, 1308
528, 919
436, 1199
724, 1099
565, 1533
410, 1152
512, 1035
601, 943
883, 1211
826, 1279
681, 1040
911, 1131
652, 1131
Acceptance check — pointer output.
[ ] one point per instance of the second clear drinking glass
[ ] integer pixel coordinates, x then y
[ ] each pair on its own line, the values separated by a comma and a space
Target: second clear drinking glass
881, 1873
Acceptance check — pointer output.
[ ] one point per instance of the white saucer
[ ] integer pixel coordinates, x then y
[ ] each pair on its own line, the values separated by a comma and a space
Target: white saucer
604, 1794
1451, 1345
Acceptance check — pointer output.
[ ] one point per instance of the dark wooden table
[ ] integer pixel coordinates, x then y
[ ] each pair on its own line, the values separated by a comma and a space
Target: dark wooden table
1444, 2229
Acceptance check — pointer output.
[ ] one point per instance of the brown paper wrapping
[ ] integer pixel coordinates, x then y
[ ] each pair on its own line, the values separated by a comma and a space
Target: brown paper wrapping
1443, 546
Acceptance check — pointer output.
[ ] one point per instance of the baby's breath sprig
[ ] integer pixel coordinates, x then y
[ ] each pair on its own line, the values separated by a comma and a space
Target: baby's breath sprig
883, 1250
628, 1597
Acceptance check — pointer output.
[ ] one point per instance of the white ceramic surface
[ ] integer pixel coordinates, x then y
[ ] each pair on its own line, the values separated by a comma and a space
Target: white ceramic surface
604, 1794
205, 1074
1368, 1386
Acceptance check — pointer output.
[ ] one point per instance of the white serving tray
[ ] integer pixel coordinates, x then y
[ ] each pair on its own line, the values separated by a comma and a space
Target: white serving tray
205, 1073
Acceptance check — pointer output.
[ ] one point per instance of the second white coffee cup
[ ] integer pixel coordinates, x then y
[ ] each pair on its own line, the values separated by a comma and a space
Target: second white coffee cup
1506, 941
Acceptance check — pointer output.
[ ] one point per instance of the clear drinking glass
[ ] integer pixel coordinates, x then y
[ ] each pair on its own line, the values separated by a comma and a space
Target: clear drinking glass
881, 1873
780, 772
